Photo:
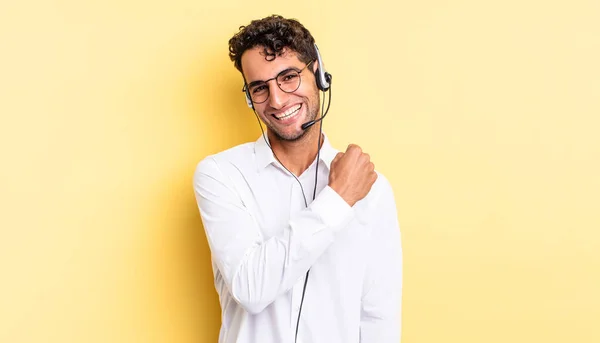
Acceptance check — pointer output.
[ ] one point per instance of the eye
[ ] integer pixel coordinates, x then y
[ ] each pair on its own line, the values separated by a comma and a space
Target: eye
258, 89
290, 76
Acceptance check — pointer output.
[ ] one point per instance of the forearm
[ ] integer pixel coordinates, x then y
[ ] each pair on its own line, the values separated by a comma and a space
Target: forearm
270, 268
258, 270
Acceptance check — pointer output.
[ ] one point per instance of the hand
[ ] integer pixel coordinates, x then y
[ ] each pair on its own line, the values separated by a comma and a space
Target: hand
352, 174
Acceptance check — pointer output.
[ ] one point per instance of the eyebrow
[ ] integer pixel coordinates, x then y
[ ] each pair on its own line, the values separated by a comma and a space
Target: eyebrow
254, 83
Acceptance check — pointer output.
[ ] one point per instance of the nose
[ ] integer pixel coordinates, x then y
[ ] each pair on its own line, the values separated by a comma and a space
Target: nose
277, 97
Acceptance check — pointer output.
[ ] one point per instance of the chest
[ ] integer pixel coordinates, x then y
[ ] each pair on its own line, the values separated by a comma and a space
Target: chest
274, 198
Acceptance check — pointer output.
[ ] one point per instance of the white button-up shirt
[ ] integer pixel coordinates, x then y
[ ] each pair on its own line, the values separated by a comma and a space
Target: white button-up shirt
263, 240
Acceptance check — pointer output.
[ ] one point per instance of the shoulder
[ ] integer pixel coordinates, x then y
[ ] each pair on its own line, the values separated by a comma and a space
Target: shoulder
379, 201
381, 191
239, 158
237, 155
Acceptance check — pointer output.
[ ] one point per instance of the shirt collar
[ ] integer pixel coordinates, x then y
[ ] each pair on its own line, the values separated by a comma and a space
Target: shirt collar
264, 155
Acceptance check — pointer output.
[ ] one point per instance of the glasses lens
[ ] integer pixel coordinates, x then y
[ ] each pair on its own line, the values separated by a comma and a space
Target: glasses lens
289, 81
259, 92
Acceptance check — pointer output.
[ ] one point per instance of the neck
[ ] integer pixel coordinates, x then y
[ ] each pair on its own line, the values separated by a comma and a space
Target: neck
298, 155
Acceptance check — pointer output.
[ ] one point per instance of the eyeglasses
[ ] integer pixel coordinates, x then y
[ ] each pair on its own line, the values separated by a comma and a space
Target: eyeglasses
288, 81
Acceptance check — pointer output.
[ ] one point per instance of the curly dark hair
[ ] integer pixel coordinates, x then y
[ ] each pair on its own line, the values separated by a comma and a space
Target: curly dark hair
273, 33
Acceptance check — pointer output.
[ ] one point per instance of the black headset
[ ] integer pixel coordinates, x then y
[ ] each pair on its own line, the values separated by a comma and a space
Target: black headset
322, 76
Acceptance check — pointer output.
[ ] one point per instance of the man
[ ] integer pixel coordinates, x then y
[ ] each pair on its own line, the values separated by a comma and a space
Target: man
287, 268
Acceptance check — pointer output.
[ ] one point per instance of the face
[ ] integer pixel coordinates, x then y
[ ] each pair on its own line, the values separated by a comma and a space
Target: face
283, 113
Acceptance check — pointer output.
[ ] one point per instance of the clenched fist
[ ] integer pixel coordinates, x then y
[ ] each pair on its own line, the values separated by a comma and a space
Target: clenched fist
352, 174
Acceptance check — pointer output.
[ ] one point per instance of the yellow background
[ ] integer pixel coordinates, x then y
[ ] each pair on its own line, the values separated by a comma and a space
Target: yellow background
484, 115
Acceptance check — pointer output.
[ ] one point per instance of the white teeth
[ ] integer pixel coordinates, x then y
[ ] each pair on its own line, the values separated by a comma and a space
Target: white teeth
288, 113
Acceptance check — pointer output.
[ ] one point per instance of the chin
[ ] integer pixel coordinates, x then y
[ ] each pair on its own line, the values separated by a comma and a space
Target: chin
289, 136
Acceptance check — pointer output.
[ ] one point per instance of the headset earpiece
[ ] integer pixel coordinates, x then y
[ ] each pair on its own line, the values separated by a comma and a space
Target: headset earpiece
322, 77
248, 100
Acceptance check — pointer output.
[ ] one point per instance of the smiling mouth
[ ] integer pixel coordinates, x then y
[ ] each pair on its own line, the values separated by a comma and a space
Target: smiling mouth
292, 111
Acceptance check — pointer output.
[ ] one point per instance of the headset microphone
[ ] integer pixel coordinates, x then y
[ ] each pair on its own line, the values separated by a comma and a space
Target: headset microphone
312, 122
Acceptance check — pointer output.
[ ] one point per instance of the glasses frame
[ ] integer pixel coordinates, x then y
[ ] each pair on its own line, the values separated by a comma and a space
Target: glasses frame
246, 89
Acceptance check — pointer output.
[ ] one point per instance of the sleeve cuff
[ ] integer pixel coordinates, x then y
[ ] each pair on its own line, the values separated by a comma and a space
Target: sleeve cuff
333, 210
